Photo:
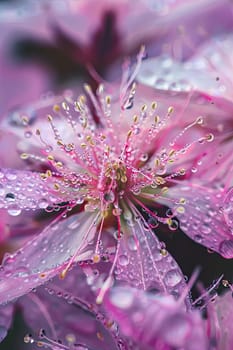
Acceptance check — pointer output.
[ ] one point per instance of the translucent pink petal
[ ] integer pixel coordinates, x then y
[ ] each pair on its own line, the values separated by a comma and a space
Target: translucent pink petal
144, 263
47, 254
223, 307
68, 307
153, 320
203, 218
26, 190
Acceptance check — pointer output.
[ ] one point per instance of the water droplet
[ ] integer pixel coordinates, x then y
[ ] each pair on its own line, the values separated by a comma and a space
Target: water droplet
11, 175
27, 134
172, 278
109, 197
10, 197
123, 260
43, 203
153, 222
132, 243
14, 210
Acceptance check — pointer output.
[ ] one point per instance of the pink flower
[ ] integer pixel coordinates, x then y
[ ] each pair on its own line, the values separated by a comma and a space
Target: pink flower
109, 181
49, 43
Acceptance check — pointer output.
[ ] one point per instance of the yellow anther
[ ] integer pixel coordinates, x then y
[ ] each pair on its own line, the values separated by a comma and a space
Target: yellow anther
172, 152
163, 252
87, 88
169, 221
48, 173
129, 133
43, 176
135, 118
59, 164
154, 105
182, 201
78, 106
144, 108
159, 180
164, 190
157, 119
50, 157
96, 258
108, 100
56, 187
170, 110
24, 156
65, 106
83, 145
56, 108
180, 210
50, 118
82, 98
60, 143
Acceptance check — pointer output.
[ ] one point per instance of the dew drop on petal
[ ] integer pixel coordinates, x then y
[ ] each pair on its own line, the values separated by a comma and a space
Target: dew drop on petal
43, 203
123, 260
14, 210
27, 134
172, 278
132, 244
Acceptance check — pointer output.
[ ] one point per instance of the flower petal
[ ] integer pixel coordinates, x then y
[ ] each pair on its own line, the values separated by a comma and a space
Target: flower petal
26, 190
223, 307
46, 255
155, 320
66, 310
203, 219
144, 263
